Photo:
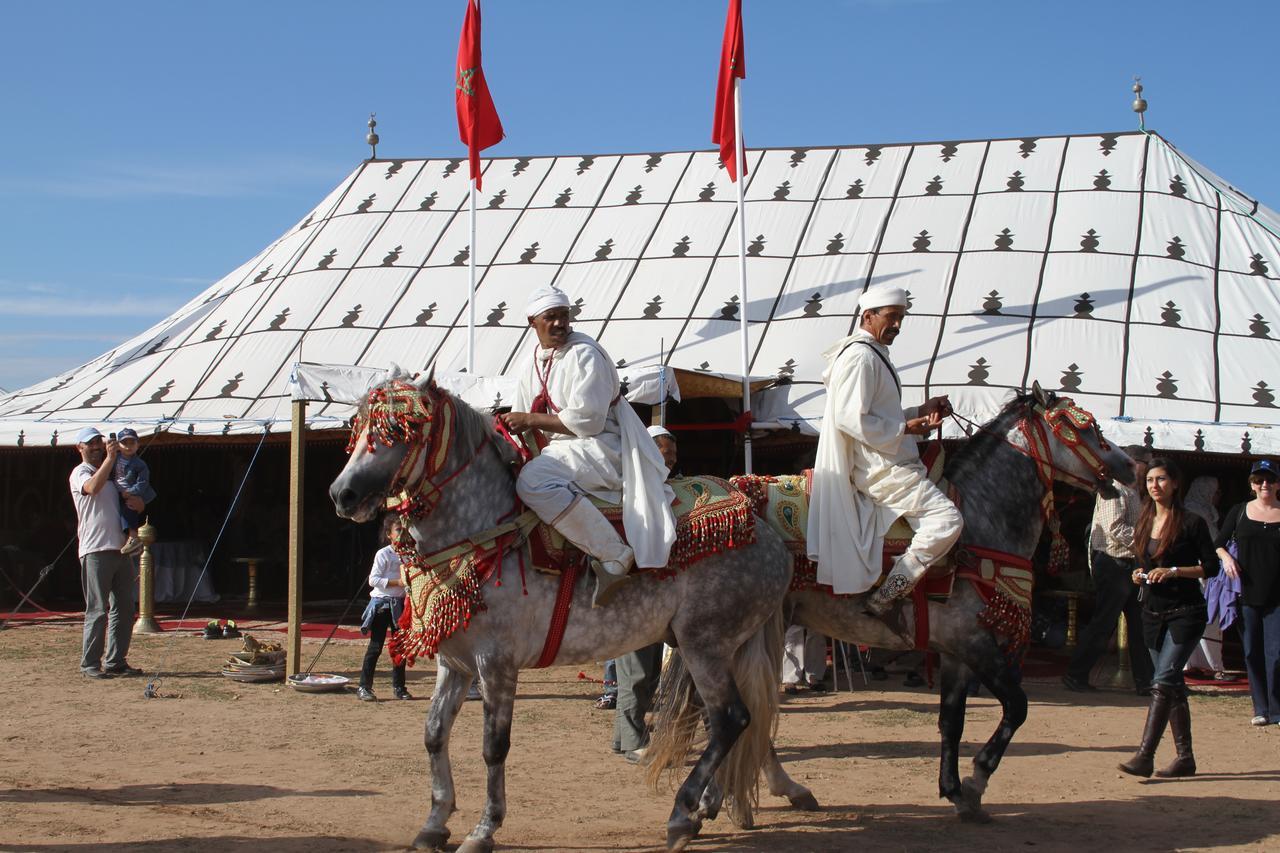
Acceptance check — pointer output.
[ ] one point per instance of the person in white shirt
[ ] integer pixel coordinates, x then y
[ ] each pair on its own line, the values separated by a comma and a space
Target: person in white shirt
386, 604
595, 445
868, 471
106, 575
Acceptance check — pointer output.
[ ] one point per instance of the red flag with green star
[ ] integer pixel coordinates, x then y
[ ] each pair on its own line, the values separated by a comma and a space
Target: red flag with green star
478, 122
733, 65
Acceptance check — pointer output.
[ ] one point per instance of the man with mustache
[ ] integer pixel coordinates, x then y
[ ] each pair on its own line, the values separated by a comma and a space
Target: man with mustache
596, 445
868, 471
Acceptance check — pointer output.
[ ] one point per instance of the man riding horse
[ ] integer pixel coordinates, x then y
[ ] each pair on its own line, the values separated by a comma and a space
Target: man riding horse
868, 471
596, 445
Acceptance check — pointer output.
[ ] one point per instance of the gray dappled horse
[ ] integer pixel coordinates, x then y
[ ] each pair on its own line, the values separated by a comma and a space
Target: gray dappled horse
1000, 486
723, 613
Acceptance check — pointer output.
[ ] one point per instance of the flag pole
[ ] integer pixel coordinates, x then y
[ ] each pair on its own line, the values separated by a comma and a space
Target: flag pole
742, 277
471, 298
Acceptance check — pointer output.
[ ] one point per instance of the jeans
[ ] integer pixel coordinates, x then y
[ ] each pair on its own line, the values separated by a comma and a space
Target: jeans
1116, 594
107, 580
1169, 658
1261, 629
610, 678
382, 620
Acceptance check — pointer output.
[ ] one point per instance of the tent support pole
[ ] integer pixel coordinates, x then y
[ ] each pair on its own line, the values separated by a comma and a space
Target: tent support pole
297, 456
739, 156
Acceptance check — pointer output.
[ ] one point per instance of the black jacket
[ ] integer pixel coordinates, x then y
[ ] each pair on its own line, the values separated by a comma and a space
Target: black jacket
1178, 603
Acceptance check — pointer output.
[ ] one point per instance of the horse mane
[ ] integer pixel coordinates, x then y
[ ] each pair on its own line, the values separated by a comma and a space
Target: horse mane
990, 437
473, 426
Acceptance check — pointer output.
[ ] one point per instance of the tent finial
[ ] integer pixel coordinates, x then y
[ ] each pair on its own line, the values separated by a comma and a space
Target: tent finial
1139, 103
372, 137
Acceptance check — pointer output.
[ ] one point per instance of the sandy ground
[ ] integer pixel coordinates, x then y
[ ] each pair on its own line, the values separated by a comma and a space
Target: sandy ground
220, 766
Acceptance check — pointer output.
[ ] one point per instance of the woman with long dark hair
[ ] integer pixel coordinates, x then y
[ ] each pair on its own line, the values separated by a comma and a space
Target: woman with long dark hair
1174, 551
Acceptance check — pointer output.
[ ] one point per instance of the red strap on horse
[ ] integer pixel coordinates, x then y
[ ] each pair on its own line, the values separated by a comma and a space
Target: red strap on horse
517, 442
559, 614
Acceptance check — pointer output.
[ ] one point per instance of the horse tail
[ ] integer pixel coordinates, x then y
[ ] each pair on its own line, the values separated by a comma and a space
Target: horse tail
678, 720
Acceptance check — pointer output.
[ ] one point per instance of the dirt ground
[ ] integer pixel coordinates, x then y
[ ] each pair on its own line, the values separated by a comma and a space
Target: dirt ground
221, 766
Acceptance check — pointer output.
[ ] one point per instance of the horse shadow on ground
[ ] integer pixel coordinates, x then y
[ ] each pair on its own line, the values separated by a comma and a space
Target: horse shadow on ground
929, 749
1191, 823
221, 843
190, 794
802, 707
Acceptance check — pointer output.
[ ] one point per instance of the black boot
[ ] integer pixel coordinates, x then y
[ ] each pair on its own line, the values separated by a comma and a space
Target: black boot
1143, 760
1180, 725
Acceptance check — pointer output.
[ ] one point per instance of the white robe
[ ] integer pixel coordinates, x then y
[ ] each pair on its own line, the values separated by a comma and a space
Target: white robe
610, 453
863, 451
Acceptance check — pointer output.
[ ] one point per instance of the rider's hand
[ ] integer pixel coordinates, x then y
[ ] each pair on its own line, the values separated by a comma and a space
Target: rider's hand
516, 422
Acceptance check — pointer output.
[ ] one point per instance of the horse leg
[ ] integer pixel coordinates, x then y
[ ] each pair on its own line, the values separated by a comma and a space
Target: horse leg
499, 697
727, 718
1013, 704
782, 785
953, 695
451, 688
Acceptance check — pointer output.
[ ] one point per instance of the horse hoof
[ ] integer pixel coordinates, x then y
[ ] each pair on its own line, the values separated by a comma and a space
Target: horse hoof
679, 834
476, 845
805, 802
978, 815
431, 839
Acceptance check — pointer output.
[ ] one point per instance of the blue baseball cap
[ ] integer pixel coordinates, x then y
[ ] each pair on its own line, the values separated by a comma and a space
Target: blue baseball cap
1265, 466
87, 435
127, 432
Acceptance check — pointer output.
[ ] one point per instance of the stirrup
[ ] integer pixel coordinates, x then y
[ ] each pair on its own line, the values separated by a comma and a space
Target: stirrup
607, 584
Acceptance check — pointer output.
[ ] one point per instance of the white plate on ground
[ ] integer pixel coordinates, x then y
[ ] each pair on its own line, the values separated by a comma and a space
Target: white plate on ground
318, 682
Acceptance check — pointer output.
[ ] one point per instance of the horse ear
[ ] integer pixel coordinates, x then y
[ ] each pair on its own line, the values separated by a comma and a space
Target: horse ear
1040, 395
396, 372
427, 383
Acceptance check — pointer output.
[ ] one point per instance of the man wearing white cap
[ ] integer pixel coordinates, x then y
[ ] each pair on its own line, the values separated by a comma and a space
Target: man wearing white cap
868, 471
106, 575
596, 445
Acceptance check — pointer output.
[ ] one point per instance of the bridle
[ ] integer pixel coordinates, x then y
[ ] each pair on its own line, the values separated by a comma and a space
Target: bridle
1068, 423
399, 412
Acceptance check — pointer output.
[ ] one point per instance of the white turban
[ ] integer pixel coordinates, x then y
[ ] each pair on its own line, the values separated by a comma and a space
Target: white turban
657, 430
881, 297
544, 299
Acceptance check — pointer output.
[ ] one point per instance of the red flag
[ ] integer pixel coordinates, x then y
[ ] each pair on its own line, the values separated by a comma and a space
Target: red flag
478, 122
733, 64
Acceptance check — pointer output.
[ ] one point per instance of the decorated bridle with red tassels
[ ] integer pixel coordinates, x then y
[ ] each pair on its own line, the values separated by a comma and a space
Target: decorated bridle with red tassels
398, 412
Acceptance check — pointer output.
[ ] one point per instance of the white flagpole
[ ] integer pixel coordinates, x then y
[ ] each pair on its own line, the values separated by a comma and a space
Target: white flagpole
471, 299
742, 273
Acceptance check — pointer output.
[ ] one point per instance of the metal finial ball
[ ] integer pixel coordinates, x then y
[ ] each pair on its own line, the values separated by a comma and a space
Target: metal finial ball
1139, 102
372, 137
373, 124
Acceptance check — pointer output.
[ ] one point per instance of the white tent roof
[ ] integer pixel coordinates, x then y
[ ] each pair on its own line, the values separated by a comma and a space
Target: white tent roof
1109, 266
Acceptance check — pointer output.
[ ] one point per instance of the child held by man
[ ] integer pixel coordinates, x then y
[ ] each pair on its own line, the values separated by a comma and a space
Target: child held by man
132, 477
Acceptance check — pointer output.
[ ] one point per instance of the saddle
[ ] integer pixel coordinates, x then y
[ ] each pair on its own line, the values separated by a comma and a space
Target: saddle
711, 516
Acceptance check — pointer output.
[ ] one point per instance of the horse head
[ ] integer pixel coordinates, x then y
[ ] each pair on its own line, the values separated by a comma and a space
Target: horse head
1067, 444
396, 434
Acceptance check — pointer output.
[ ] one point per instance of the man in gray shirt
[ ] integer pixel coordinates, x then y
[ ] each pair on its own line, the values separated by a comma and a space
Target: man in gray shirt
1111, 557
106, 575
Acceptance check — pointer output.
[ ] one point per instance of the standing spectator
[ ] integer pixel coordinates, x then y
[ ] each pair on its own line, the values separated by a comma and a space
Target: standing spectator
1202, 499
1255, 525
386, 603
1175, 551
132, 477
804, 660
638, 672
1111, 558
106, 575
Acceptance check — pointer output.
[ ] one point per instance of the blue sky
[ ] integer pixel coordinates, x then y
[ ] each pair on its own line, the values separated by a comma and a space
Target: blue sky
150, 148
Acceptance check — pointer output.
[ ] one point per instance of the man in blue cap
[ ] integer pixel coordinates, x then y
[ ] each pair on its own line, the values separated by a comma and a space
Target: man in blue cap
106, 575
